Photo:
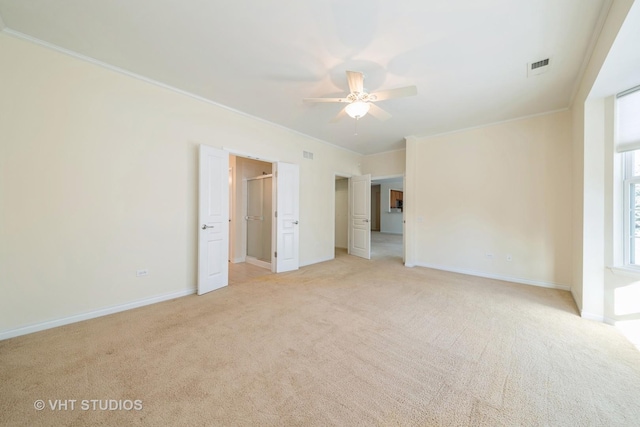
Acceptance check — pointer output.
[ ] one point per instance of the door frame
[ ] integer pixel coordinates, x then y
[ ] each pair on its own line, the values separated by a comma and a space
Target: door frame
274, 162
333, 204
397, 177
243, 235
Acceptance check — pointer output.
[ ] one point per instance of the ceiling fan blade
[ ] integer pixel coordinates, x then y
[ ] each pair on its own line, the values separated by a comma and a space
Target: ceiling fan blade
325, 100
356, 81
341, 115
396, 93
378, 112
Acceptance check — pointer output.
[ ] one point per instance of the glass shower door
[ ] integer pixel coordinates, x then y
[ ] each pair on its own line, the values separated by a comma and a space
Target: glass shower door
259, 218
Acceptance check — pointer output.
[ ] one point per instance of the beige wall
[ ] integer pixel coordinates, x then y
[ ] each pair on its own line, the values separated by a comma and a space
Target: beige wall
342, 213
99, 179
504, 190
390, 163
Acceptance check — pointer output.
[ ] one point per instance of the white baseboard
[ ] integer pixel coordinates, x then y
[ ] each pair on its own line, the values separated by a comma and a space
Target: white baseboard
238, 260
92, 314
609, 321
592, 316
316, 261
258, 263
497, 277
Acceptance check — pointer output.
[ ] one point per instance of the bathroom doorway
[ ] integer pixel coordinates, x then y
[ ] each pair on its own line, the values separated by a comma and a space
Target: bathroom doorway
251, 211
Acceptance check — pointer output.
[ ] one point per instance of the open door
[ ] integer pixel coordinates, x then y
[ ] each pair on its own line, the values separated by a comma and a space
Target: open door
213, 219
360, 216
404, 221
287, 188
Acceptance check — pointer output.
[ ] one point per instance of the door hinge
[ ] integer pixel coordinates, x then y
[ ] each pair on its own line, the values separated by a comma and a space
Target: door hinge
275, 254
276, 214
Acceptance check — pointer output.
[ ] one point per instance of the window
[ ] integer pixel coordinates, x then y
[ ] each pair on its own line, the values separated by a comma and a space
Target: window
628, 142
632, 207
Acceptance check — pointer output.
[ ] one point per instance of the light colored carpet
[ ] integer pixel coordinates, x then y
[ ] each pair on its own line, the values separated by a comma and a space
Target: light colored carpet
346, 342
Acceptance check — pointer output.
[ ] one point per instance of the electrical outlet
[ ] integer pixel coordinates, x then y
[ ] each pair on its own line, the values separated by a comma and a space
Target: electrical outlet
142, 272
489, 255
509, 258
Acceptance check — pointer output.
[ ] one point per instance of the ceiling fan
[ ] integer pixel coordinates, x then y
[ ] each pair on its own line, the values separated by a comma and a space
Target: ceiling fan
360, 102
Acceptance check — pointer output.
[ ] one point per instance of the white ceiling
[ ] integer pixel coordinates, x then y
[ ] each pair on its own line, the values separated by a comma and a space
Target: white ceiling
468, 58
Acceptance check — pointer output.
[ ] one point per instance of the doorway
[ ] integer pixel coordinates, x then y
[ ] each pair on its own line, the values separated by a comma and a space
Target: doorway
259, 202
222, 229
375, 207
341, 232
250, 211
387, 238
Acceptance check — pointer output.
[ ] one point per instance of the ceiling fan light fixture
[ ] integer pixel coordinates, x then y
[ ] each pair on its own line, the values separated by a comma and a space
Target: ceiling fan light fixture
357, 109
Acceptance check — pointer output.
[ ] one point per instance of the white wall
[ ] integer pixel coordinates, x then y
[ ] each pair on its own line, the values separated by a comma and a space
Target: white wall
390, 222
503, 190
342, 213
99, 178
589, 144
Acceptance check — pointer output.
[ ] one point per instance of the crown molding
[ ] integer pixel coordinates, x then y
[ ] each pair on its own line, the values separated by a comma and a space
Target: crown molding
486, 125
119, 70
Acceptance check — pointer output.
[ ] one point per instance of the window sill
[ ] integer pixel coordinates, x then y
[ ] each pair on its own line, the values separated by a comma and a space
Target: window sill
626, 271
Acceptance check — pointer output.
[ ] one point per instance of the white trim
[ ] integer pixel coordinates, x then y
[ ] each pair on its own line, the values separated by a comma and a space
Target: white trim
498, 277
625, 271
246, 155
257, 262
386, 152
99, 63
237, 260
319, 260
629, 146
591, 47
397, 178
609, 321
24, 330
591, 316
486, 125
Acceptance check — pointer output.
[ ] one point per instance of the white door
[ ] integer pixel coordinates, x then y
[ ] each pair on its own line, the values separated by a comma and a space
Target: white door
213, 220
360, 216
287, 187
404, 220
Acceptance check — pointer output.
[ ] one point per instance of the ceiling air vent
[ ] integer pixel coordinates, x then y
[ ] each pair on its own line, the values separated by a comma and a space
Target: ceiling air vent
538, 67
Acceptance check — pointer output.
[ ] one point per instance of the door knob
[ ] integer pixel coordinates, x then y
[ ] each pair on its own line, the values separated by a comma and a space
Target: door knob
295, 222
365, 220
205, 226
